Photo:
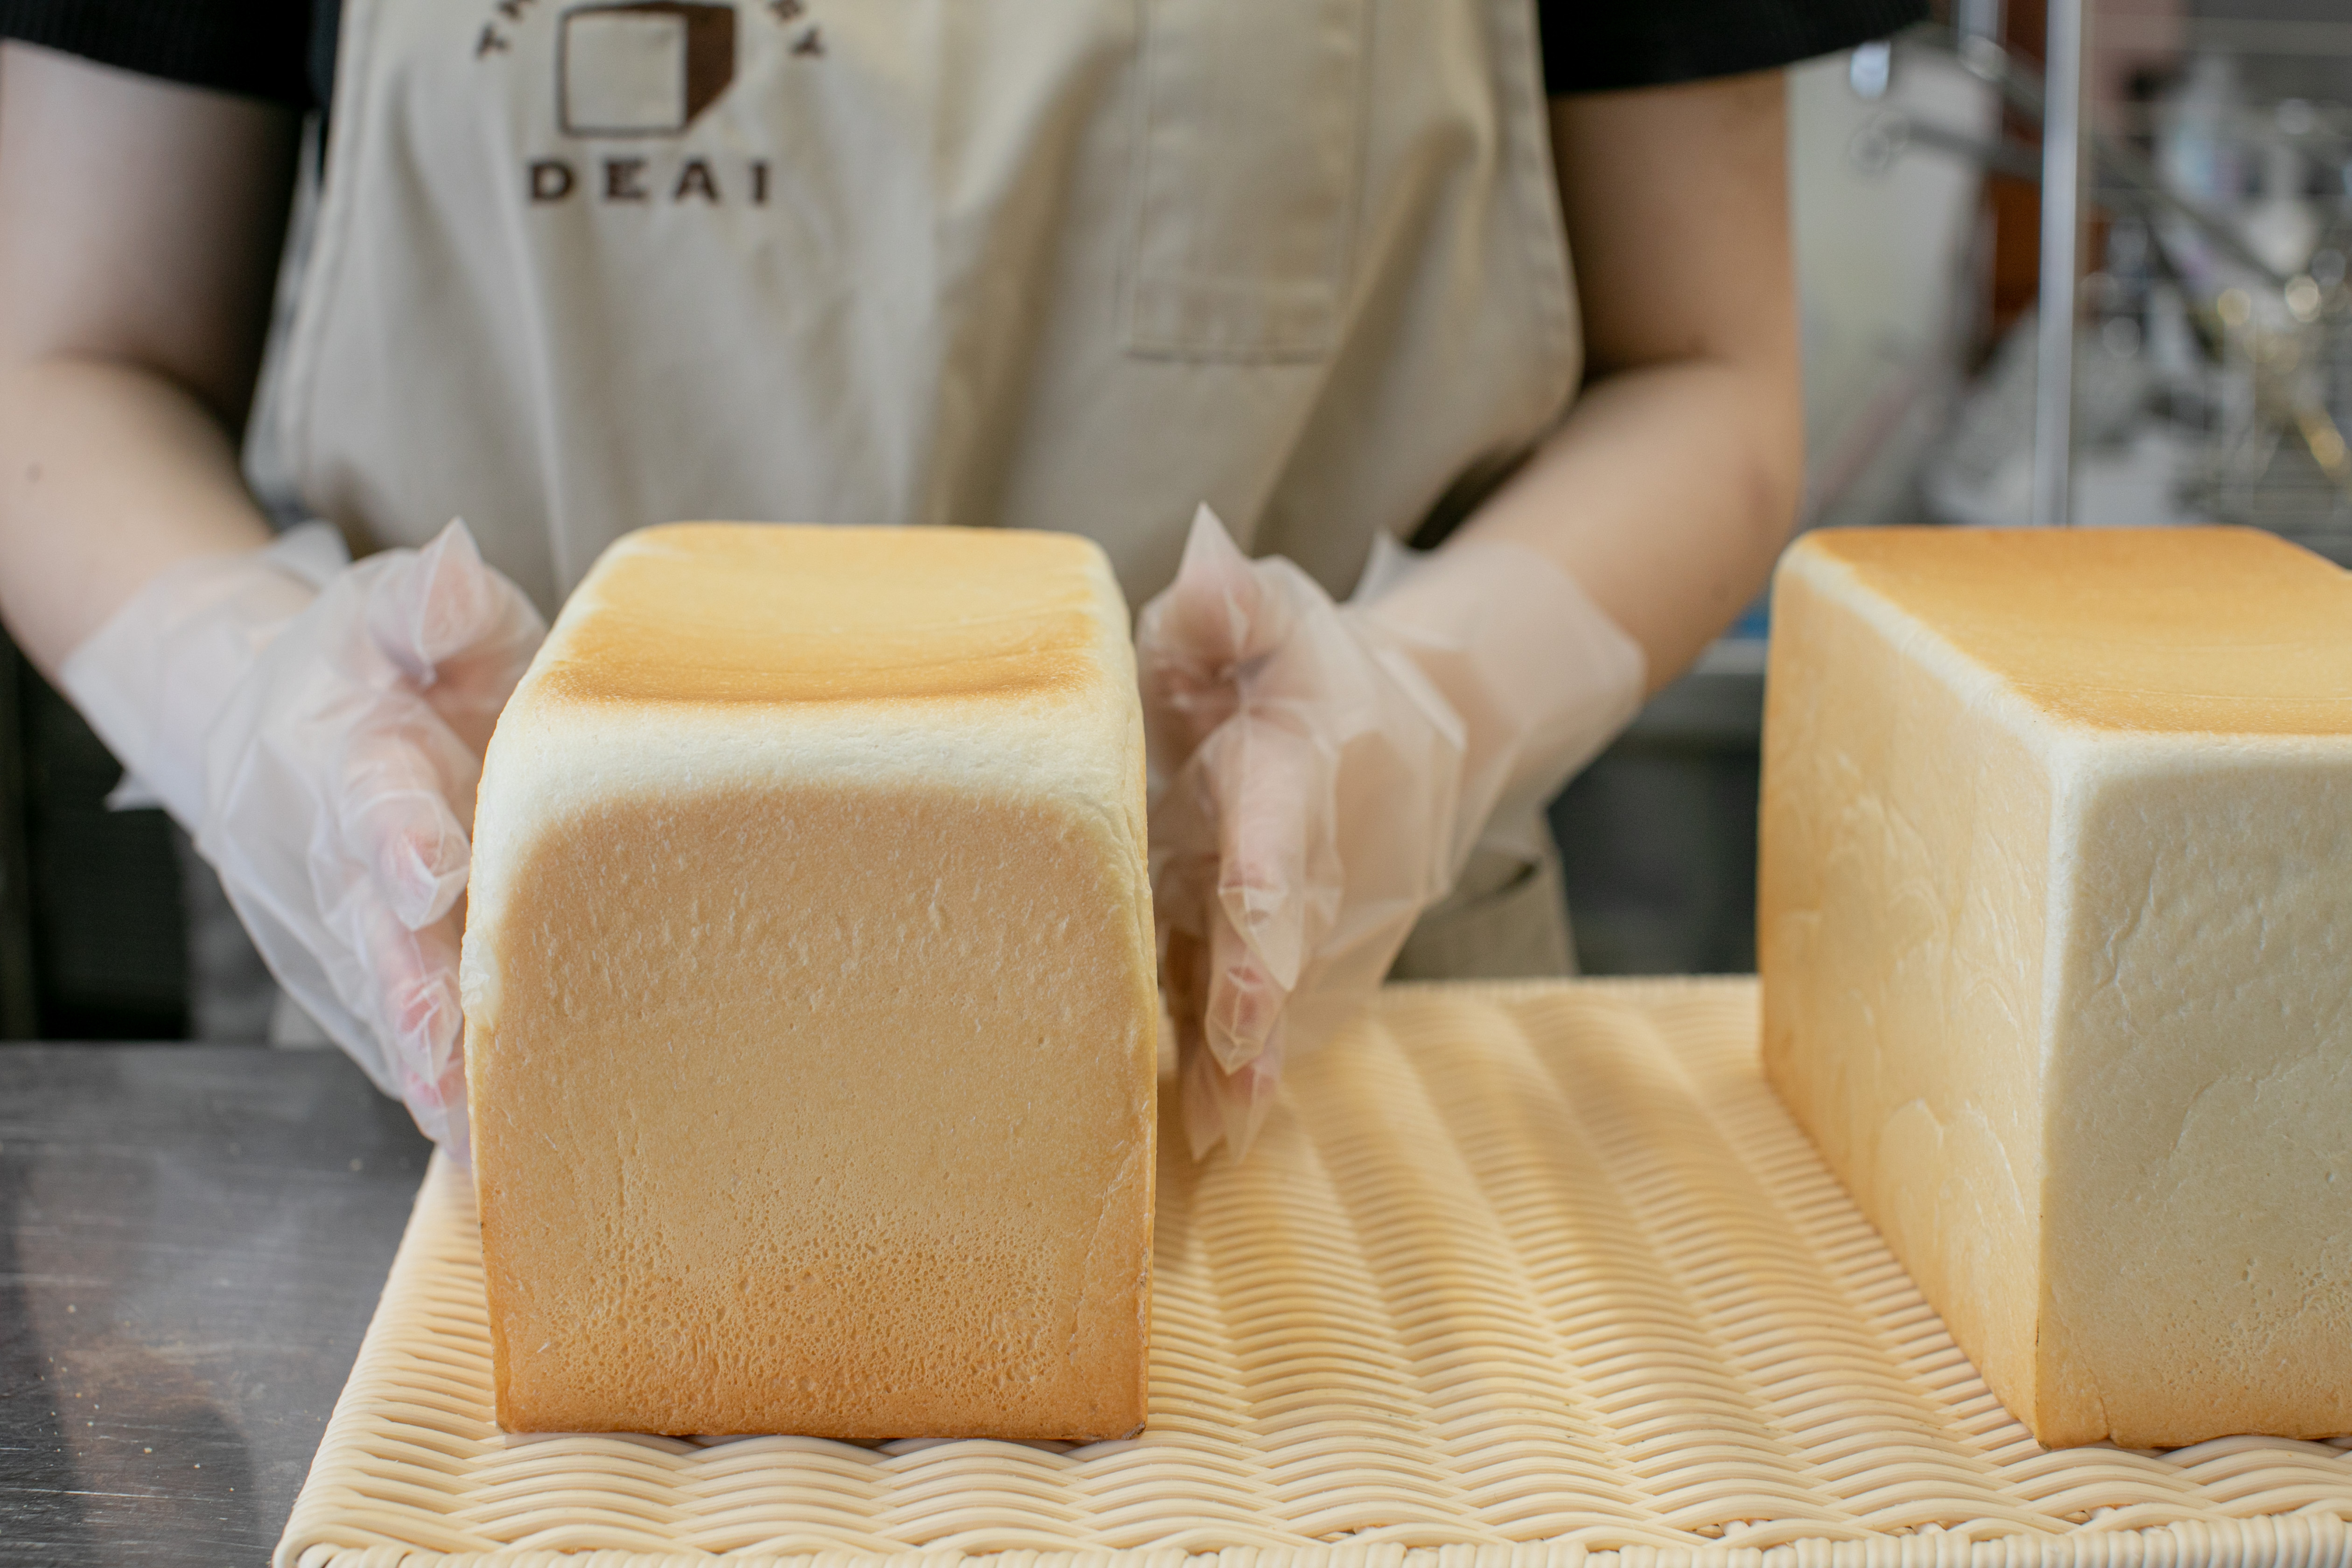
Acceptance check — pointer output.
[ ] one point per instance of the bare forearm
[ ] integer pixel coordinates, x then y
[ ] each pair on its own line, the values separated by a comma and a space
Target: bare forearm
1671, 485
1666, 494
107, 475
140, 224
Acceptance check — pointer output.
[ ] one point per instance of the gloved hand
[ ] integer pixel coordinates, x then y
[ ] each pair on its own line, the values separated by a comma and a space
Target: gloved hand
1320, 775
322, 735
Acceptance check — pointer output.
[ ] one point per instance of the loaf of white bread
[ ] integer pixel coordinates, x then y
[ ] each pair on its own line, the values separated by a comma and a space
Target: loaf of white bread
808, 982
2055, 932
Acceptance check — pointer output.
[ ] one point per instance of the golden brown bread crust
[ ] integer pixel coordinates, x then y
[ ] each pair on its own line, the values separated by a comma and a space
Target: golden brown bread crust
2219, 630
814, 1093
703, 612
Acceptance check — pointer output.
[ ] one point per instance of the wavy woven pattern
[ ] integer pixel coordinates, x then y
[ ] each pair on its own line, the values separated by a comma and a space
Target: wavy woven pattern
1528, 1275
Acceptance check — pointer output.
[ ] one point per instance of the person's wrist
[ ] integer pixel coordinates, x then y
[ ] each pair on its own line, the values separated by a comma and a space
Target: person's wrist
1540, 676
154, 679
1436, 613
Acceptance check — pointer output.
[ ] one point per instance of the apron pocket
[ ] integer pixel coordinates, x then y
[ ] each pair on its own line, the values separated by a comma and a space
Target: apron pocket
1248, 165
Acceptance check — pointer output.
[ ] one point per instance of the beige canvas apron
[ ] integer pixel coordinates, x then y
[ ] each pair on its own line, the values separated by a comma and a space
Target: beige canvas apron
1063, 264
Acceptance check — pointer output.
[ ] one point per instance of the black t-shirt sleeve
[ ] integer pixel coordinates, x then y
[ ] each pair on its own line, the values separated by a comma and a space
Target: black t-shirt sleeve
285, 49
1595, 45
261, 49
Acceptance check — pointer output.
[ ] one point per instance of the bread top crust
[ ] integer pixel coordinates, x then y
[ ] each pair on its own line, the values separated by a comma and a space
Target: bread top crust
704, 614
2159, 631
701, 659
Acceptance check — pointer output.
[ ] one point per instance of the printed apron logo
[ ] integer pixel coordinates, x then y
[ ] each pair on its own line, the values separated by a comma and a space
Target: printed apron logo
641, 68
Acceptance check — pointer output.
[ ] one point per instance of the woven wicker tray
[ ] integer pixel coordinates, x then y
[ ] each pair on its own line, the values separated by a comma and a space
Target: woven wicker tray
1539, 1273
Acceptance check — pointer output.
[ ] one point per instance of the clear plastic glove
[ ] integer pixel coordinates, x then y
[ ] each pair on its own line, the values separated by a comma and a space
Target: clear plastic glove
323, 743
1320, 775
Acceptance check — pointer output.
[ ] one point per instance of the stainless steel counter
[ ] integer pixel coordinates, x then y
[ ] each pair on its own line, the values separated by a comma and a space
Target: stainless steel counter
191, 1240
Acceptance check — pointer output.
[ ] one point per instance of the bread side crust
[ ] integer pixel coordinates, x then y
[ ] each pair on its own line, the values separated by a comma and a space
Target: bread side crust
2198, 1273
1902, 990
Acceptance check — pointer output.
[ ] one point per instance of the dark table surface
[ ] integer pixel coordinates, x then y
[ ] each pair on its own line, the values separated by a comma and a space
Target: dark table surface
192, 1241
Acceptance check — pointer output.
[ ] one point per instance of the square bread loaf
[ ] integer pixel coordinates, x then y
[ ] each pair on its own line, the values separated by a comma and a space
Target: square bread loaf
2055, 931
809, 996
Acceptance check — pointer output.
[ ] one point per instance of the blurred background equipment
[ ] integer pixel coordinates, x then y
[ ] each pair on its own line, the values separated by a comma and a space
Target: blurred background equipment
2211, 360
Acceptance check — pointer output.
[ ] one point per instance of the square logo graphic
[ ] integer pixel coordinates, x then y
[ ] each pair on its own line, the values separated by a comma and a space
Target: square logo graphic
643, 67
